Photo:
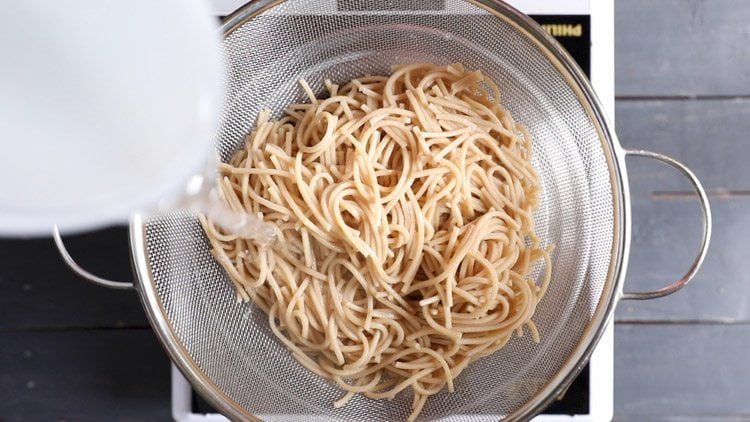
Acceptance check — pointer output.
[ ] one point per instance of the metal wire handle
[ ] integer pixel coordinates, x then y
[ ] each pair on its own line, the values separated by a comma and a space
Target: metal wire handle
91, 278
707, 223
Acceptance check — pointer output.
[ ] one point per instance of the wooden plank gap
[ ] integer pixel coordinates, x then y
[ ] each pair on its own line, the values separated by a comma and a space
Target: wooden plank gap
689, 97
712, 193
713, 321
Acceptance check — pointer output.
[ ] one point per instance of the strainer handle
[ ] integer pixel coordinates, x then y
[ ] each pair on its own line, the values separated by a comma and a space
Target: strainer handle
73, 265
707, 223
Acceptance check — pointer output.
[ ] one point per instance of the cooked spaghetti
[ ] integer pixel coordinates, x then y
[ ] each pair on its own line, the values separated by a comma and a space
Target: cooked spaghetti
405, 238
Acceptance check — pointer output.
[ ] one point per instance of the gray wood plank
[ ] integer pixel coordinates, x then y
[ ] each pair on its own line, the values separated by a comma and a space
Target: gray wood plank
682, 418
682, 47
669, 372
39, 291
665, 238
91, 375
712, 137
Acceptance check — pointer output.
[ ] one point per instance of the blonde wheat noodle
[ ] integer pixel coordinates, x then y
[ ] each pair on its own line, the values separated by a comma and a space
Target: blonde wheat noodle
404, 207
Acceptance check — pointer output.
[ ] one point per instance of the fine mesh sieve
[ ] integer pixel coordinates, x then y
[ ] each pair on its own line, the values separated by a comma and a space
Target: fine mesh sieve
227, 350
266, 55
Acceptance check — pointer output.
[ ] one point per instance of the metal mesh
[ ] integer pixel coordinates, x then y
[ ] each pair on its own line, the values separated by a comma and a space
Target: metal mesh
232, 344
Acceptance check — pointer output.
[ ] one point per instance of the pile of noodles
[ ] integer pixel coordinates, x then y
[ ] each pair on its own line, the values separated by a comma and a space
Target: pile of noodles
403, 207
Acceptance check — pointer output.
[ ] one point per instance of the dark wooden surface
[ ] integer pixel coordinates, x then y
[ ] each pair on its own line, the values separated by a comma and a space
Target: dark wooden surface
681, 372
683, 88
686, 48
83, 375
74, 352
70, 351
39, 292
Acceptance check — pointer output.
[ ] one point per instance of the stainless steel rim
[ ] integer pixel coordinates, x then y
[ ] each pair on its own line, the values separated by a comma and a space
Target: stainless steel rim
613, 153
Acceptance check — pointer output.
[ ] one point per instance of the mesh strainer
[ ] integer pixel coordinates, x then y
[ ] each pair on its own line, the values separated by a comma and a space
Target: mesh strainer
227, 350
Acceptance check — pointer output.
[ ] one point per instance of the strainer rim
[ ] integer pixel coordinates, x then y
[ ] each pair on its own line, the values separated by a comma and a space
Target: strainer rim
595, 327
